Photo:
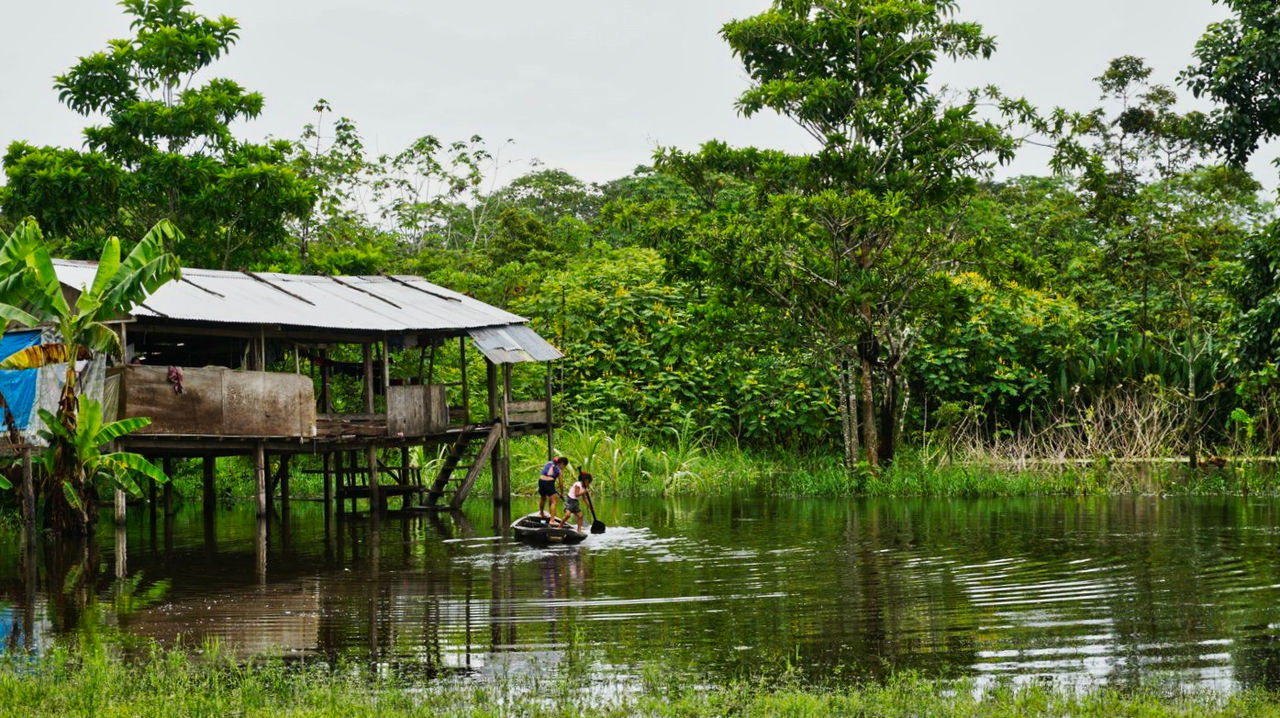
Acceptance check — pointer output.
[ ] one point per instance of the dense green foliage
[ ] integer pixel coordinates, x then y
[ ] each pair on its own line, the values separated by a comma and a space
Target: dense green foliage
885, 292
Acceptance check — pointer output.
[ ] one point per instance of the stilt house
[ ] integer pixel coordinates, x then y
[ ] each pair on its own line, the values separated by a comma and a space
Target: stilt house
231, 363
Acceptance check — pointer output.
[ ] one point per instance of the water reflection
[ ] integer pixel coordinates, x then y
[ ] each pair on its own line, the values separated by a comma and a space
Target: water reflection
1078, 591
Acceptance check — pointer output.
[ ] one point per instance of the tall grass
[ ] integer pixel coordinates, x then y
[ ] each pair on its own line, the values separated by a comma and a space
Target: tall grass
159, 683
682, 461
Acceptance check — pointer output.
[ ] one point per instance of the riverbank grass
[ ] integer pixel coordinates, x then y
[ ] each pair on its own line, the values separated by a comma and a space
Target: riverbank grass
172, 683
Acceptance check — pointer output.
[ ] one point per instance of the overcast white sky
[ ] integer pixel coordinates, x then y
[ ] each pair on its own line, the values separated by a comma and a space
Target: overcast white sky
592, 86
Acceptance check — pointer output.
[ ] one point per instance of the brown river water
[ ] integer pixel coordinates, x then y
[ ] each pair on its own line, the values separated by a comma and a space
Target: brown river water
1078, 591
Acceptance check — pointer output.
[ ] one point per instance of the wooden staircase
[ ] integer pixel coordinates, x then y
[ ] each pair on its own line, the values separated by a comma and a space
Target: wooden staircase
466, 455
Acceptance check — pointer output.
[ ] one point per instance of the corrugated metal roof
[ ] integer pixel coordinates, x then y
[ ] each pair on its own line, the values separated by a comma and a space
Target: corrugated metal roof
513, 344
398, 304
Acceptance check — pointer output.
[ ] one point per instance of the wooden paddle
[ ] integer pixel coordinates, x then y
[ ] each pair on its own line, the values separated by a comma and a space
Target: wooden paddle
597, 526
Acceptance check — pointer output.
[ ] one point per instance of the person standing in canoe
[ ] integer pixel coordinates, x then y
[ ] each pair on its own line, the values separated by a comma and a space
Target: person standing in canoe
549, 485
572, 505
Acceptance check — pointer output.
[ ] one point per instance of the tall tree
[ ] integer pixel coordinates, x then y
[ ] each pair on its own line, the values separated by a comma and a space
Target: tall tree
165, 151
854, 234
1238, 68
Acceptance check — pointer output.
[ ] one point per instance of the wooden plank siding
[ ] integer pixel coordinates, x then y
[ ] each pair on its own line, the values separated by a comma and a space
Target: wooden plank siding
216, 401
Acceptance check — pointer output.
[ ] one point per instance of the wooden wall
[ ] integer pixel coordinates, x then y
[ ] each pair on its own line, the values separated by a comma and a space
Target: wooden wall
417, 410
219, 402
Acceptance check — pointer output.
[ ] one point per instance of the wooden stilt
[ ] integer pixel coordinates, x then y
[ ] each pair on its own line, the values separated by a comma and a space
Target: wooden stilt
340, 478
353, 471
260, 552
168, 488
405, 479
495, 415
284, 483
328, 486
260, 477
375, 496
122, 549
208, 498
28, 494
504, 496
120, 507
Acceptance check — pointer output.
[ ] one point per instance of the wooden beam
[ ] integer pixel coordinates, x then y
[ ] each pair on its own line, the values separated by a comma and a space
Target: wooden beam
120, 507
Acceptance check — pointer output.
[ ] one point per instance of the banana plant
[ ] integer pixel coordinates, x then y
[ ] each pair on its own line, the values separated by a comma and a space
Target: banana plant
37, 297
80, 448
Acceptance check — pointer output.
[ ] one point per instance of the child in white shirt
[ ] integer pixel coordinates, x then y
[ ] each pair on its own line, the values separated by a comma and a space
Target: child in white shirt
572, 505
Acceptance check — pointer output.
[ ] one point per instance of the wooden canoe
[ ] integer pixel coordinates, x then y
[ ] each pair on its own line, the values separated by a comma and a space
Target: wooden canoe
535, 530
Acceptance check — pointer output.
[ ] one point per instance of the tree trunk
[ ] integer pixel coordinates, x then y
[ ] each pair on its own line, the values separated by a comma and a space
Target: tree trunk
888, 418
64, 517
869, 438
848, 416
1193, 419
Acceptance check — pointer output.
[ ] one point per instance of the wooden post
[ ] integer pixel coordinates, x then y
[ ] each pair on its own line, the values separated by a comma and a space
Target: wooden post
375, 496
466, 387
120, 507
325, 371
340, 476
405, 480
551, 431
260, 477
209, 499
368, 378
505, 496
260, 549
152, 504
494, 415
168, 488
353, 471
386, 364
28, 493
284, 483
328, 486
122, 549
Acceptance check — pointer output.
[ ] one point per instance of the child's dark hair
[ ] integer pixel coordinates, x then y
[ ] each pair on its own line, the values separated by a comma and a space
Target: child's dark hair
561, 460
584, 477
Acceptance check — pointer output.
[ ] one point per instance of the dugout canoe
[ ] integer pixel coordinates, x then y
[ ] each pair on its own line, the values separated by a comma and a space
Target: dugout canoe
535, 530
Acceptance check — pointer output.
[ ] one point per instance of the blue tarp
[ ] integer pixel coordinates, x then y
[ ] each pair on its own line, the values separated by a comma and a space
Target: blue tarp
19, 387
